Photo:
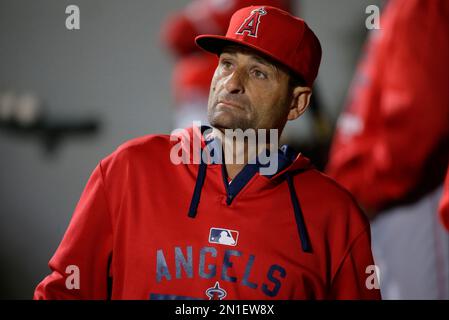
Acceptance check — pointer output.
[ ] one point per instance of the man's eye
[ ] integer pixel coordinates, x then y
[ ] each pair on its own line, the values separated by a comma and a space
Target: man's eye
259, 74
226, 65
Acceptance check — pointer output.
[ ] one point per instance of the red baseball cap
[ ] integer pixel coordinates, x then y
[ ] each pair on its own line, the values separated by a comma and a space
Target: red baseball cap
272, 32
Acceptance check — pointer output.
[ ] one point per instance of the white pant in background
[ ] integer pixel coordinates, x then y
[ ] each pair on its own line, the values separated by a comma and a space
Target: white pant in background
411, 248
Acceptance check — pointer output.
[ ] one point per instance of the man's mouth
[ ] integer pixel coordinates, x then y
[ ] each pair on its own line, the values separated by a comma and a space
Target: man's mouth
229, 104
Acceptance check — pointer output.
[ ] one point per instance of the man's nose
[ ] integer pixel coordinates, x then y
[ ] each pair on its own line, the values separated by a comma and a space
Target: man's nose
235, 82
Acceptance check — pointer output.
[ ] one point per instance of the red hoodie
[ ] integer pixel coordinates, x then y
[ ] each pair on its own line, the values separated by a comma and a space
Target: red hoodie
146, 228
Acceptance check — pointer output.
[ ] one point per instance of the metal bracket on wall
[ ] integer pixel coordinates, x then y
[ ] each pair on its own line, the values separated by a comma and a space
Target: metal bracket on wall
22, 115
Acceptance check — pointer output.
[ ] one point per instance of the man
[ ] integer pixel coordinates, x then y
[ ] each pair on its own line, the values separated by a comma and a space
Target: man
149, 226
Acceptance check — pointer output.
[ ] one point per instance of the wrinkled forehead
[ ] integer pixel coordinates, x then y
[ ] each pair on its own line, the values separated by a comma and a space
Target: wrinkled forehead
254, 55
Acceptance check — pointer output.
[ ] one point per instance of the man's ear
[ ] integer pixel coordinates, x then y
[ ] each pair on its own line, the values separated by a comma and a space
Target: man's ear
300, 102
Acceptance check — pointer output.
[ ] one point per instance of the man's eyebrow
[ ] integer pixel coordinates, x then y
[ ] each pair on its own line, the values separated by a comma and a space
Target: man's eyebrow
262, 61
253, 56
257, 58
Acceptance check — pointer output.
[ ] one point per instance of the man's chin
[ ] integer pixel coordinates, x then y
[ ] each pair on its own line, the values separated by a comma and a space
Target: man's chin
227, 121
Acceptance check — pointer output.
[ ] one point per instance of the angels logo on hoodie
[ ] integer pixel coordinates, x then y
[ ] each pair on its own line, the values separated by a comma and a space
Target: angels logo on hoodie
216, 293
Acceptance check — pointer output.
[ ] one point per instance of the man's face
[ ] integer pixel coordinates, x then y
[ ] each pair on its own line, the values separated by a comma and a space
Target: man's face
247, 91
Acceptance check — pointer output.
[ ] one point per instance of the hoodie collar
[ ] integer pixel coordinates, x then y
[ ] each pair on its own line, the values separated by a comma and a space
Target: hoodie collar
197, 138
287, 167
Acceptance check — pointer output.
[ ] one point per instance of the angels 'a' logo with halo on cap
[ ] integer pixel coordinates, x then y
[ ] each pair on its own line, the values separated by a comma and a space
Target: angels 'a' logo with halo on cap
251, 24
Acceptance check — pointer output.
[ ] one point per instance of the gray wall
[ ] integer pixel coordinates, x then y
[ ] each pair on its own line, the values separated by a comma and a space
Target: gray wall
113, 68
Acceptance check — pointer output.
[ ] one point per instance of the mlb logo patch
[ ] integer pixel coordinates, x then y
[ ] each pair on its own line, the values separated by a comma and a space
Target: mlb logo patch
223, 236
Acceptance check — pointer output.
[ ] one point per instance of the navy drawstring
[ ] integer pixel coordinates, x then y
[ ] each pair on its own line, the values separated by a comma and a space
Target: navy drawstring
198, 187
305, 242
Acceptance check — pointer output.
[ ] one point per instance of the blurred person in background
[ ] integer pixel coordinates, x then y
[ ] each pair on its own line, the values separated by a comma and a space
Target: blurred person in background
391, 146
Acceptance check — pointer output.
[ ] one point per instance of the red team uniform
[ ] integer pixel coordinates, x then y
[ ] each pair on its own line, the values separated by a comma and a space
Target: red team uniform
391, 146
395, 124
294, 235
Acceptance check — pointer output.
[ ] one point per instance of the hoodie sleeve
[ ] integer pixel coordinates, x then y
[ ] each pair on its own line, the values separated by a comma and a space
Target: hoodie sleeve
356, 277
80, 265
394, 133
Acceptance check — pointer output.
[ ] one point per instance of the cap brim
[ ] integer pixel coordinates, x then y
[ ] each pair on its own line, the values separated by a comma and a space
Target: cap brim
215, 44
